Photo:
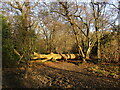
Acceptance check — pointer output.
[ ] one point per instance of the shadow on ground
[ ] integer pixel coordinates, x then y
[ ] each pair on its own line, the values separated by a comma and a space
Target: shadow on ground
42, 76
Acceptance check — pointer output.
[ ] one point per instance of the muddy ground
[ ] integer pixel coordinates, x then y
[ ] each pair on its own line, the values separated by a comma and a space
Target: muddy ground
56, 75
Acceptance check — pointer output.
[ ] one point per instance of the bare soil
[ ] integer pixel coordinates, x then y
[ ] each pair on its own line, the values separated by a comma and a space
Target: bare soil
57, 75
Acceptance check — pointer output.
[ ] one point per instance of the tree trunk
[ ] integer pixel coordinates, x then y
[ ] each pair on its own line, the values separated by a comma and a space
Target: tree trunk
118, 35
98, 40
54, 56
88, 52
74, 26
117, 53
90, 46
77, 40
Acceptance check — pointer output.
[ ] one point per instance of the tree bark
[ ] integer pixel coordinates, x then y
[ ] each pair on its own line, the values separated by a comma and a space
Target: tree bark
88, 52
77, 40
54, 56
99, 46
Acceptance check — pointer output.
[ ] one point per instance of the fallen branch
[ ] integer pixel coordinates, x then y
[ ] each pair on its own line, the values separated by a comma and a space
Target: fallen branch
21, 56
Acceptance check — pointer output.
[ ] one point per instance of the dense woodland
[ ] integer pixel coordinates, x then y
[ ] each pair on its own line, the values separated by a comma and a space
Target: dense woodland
90, 29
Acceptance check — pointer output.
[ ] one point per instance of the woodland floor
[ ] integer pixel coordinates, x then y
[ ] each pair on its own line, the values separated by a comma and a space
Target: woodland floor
57, 75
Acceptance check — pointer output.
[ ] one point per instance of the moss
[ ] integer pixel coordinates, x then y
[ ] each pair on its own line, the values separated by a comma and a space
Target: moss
112, 74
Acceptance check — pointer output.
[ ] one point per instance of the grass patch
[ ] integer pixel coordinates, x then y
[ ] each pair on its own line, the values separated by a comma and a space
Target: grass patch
105, 70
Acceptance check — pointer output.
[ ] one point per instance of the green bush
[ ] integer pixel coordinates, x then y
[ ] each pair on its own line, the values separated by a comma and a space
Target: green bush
9, 59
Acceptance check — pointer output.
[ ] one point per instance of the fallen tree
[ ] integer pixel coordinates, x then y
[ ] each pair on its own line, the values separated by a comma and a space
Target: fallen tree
53, 56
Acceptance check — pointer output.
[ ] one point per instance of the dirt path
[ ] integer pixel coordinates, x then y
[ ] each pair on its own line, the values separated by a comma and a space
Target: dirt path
57, 75
68, 66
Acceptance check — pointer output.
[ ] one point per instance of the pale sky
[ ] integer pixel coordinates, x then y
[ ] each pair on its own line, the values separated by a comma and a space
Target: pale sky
62, 0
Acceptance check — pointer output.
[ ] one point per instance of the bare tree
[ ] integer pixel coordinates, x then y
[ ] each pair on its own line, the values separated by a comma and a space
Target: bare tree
22, 30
